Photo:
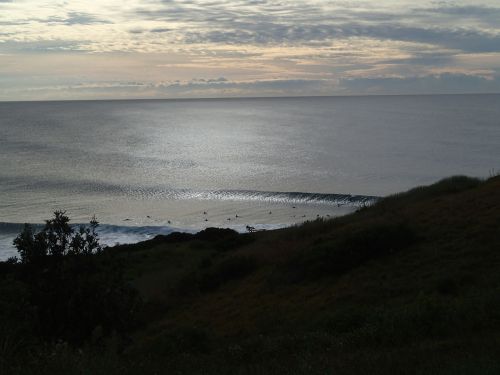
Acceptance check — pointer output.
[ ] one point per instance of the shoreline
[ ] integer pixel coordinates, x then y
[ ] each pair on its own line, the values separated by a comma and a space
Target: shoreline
192, 217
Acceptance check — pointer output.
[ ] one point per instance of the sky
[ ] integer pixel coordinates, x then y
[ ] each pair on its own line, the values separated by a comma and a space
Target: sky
115, 49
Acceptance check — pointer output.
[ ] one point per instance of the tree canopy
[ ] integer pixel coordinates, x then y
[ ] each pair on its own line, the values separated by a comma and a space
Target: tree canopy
74, 286
57, 238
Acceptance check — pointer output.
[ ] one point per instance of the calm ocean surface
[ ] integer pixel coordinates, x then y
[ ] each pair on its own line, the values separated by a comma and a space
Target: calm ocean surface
147, 167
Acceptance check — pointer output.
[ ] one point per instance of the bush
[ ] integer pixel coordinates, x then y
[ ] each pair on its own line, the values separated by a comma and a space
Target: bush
351, 247
215, 234
74, 286
447, 186
57, 239
232, 268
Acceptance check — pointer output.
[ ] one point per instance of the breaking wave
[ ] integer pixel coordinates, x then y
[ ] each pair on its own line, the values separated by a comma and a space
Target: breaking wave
281, 197
160, 192
109, 235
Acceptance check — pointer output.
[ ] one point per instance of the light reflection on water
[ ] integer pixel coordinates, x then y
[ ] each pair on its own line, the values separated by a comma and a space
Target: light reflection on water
134, 158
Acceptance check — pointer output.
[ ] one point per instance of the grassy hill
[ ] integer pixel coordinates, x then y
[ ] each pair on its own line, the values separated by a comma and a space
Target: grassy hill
410, 285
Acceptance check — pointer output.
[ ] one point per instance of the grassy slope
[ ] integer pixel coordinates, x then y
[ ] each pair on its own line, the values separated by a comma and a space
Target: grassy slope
425, 299
410, 285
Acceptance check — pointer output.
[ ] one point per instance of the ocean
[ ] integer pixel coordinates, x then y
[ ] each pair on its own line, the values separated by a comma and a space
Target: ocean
155, 166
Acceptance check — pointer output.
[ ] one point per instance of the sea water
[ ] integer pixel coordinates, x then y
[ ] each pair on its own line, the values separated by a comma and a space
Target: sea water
154, 166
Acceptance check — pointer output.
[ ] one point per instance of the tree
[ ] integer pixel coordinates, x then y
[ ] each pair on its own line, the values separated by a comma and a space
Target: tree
74, 285
57, 239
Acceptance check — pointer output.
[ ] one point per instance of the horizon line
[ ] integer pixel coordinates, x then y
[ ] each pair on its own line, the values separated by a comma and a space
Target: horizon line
243, 97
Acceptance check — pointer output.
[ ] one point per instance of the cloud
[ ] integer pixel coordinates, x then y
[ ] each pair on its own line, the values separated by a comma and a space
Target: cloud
160, 30
222, 87
432, 84
77, 18
468, 11
42, 46
258, 46
218, 87
456, 38
460, 39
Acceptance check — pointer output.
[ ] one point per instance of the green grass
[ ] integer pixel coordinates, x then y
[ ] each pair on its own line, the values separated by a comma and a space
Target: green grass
407, 286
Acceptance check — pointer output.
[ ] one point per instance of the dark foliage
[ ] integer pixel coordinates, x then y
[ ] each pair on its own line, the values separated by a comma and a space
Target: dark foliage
176, 237
74, 286
224, 239
183, 341
172, 238
56, 239
350, 248
210, 276
215, 234
445, 187
219, 238
232, 268
408, 285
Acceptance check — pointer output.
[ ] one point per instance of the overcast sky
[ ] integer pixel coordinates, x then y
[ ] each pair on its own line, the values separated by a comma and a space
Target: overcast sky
217, 48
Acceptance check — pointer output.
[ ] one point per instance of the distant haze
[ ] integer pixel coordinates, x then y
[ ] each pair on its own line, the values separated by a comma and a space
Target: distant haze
221, 48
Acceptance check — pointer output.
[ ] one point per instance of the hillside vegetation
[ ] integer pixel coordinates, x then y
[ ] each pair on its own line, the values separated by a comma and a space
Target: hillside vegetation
410, 285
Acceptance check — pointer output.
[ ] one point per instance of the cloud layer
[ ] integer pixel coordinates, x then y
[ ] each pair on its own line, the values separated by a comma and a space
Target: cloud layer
182, 48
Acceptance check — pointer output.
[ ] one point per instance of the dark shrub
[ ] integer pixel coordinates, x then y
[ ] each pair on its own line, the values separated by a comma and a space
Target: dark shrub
233, 242
345, 320
215, 234
73, 285
174, 237
451, 185
447, 286
232, 268
181, 340
206, 263
351, 247
220, 239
